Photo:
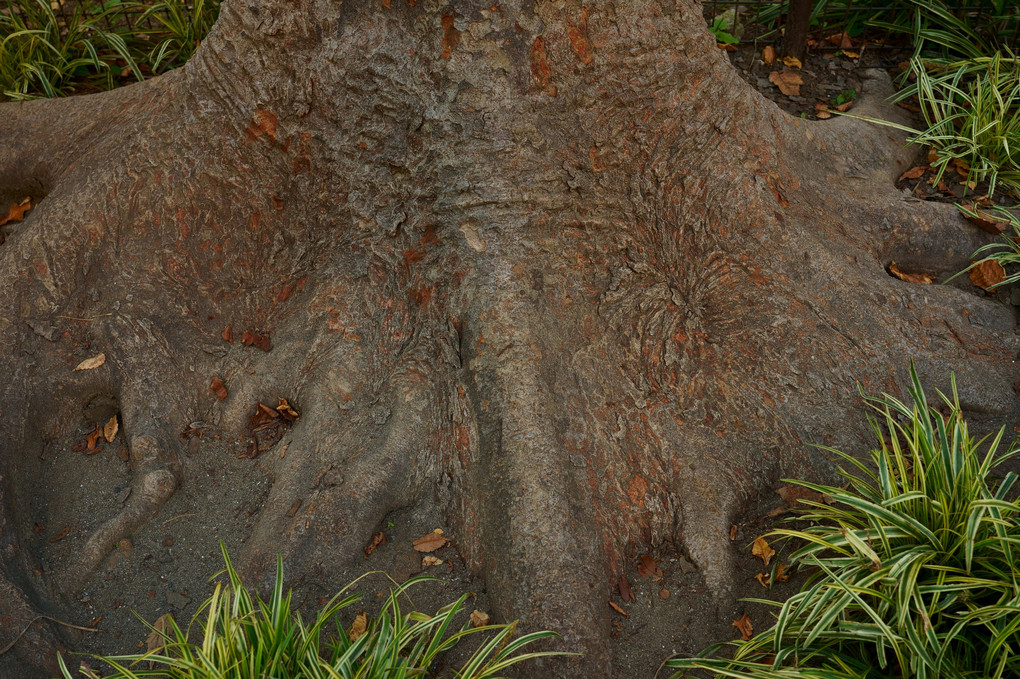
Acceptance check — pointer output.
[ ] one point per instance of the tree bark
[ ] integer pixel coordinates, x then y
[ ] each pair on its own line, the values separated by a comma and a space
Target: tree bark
798, 23
601, 292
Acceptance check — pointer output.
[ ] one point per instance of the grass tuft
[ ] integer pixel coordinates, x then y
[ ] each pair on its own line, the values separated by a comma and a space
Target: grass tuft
914, 566
236, 636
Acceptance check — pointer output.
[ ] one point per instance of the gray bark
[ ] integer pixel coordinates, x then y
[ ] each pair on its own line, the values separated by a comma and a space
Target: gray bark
604, 291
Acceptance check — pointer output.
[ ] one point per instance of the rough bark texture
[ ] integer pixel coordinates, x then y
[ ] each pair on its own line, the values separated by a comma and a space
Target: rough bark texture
552, 264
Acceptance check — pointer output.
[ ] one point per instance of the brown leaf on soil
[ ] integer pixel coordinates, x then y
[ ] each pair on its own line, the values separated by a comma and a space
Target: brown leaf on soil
726, 46
429, 560
851, 54
359, 626
92, 439
763, 579
787, 81
768, 55
227, 335
154, 642
792, 495
16, 212
840, 40
987, 274
844, 107
792, 62
61, 535
479, 618
294, 507
258, 340
264, 415
217, 387
286, 411
430, 542
933, 155
626, 593
914, 172
618, 609
781, 574
110, 429
761, 549
918, 278
91, 363
648, 568
743, 624
378, 540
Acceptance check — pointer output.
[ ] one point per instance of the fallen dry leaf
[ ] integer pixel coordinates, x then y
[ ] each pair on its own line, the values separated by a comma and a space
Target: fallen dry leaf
648, 568
91, 363
844, 107
787, 81
851, 54
768, 55
914, 172
250, 452
430, 542
92, 439
733, 532
284, 409
743, 624
61, 535
17, 211
294, 507
217, 387
110, 429
39, 527
429, 560
792, 495
841, 40
479, 618
264, 416
781, 574
227, 335
763, 579
618, 609
154, 642
792, 62
987, 274
918, 278
761, 549
626, 593
359, 626
984, 221
378, 540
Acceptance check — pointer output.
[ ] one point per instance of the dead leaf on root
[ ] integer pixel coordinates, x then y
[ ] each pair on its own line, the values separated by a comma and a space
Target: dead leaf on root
110, 429
914, 172
479, 618
16, 212
733, 532
359, 626
743, 624
91, 363
984, 221
616, 607
92, 439
787, 81
61, 535
430, 542
648, 568
264, 417
987, 274
227, 335
918, 278
217, 387
626, 593
761, 549
286, 410
378, 540
257, 340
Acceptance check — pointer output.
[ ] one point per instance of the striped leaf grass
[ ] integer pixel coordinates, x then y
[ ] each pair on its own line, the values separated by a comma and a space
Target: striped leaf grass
236, 636
913, 567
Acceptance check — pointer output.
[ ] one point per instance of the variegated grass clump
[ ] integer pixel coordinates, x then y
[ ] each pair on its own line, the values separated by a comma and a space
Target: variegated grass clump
236, 636
914, 564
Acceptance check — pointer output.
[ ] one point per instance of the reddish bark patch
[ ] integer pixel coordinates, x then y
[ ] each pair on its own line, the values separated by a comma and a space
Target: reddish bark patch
264, 123
579, 38
540, 69
451, 36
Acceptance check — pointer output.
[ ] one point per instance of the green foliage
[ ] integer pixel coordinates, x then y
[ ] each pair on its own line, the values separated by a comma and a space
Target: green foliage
1006, 251
718, 29
914, 566
245, 638
844, 97
44, 55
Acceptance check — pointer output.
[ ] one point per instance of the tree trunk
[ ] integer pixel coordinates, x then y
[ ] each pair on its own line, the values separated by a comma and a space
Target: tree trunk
798, 23
552, 265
